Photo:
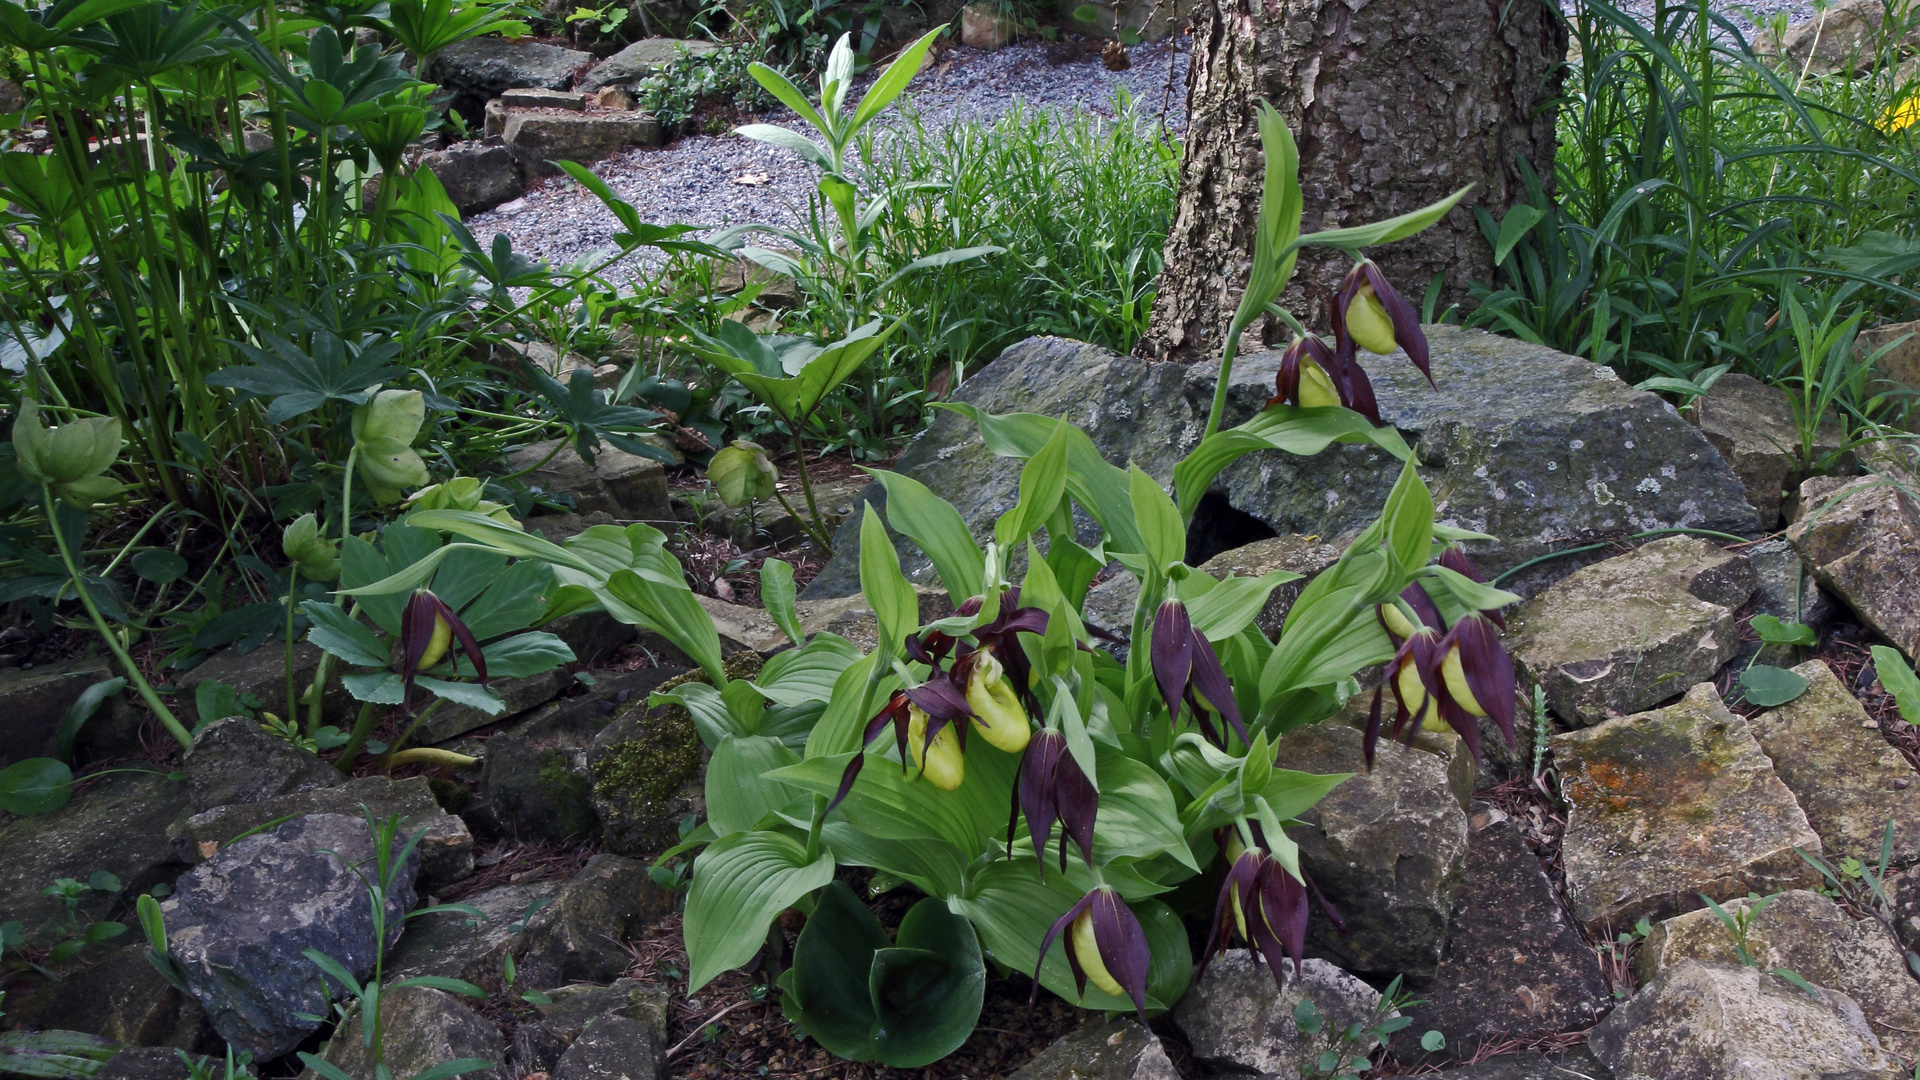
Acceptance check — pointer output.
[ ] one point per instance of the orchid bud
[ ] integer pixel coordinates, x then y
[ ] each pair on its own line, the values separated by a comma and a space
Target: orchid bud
741, 473
383, 432
1105, 944
1367, 321
316, 557
997, 714
1086, 949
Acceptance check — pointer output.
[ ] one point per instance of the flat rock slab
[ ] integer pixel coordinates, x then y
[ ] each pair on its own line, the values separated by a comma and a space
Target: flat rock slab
446, 851
1848, 778
538, 138
421, 1028
236, 761
1515, 964
1702, 1021
1114, 1050
1388, 848
1809, 935
1862, 541
477, 178
1752, 425
641, 59
581, 935
531, 98
1237, 1020
479, 69
117, 995
613, 1048
1576, 1064
121, 827
627, 486
538, 1045
1627, 633
239, 923
456, 945
1531, 446
1670, 804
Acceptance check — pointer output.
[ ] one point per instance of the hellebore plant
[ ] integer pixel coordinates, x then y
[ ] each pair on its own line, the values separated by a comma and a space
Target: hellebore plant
1152, 768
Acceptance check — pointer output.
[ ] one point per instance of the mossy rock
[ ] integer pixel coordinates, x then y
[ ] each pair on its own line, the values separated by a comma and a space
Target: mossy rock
649, 768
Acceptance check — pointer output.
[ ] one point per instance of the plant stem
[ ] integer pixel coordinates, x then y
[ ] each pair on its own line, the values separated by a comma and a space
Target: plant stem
315, 691
172, 723
394, 748
293, 703
818, 530
362, 727
1220, 385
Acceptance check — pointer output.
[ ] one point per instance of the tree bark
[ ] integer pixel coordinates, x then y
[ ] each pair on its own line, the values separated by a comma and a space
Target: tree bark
1394, 103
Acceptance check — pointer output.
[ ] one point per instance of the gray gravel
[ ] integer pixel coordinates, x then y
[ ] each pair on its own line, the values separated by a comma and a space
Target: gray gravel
730, 180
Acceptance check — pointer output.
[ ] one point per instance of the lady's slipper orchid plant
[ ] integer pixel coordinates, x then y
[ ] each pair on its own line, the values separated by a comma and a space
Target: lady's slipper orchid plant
1154, 765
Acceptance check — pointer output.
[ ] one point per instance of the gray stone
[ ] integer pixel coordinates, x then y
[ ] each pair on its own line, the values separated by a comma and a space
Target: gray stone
236, 761
851, 617
641, 59
581, 936
237, 926
262, 674
1110, 604
13, 96
1515, 965
446, 851
594, 636
1903, 896
627, 486
420, 1028
1788, 590
1849, 779
1751, 423
478, 69
539, 1044
535, 785
1862, 541
1237, 1020
648, 770
117, 995
984, 27
456, 945
476, 177
1621, 635
743, 628
537, 139
144, 1063
1701, 1021
1809, 935
1388, 848
1842, 39
520, 695
1576, 1064
1899, 366
530, 98
1462, 771
35, 700
1113, 1050
1670, 804
120, 826
613, 1048
1530, 446
762, 523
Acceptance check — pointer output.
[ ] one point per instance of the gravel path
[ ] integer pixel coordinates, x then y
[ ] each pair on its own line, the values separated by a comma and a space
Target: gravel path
728, 180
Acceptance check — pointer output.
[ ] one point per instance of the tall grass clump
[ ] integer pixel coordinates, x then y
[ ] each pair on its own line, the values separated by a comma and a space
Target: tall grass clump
1701, 193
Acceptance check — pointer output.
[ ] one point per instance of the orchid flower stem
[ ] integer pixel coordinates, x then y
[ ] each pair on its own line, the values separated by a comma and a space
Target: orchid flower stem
314, 690
293, 693
1220, 384
394, 749
1245, 830
813, 830
362, 727
172, 723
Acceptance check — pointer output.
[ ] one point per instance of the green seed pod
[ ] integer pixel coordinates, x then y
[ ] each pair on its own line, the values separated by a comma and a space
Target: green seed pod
70, 458
742, 472
317, 558
383, 432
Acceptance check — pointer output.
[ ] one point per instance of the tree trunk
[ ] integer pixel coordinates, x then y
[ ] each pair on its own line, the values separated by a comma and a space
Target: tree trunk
1394, 104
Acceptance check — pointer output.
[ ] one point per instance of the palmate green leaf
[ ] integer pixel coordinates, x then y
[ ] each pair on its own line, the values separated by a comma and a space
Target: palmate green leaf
525, 654
932, 523
344, 636
379, 687
1098, 486
738, 795
1289, 428
472, 695
740, 883
299, 379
